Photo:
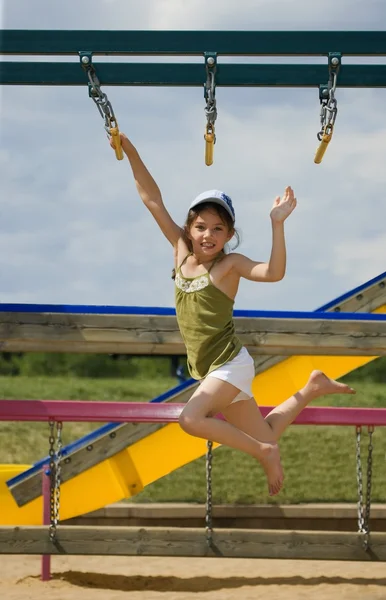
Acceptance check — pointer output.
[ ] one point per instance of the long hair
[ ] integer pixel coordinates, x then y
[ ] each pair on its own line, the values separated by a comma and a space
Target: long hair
225, 218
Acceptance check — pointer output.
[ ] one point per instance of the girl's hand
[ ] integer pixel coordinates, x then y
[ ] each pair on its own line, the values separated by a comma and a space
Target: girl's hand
283, 207
125, 143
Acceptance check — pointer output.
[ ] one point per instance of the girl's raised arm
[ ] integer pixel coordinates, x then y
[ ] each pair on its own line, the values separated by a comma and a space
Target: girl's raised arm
274, 269
150, 192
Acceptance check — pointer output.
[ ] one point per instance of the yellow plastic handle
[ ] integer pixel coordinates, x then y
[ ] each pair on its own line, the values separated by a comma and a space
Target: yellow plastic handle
114, 132
326, 138
209, 139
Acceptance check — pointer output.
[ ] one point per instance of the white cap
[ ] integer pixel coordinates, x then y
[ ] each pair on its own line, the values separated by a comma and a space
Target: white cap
218, 198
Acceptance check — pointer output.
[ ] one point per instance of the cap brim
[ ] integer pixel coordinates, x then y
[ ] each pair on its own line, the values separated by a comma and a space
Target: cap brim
218, 201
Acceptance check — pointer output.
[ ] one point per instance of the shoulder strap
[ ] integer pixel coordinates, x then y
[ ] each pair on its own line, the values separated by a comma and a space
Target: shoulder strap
185, 259
215, 261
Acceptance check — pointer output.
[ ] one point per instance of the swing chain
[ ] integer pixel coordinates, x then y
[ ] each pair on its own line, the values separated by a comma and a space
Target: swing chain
329, 104
209, 506
369, 474
210, 92
101, 100
55, 475
364, 510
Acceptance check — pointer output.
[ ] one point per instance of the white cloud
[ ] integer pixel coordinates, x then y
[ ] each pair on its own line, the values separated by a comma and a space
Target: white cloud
358, 257
262, 14
195, 14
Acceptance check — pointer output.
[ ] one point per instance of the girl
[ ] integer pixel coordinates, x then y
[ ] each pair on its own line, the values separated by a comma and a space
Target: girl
206, 283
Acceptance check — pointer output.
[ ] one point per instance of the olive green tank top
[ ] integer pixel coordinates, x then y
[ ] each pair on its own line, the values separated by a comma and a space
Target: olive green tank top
205, 319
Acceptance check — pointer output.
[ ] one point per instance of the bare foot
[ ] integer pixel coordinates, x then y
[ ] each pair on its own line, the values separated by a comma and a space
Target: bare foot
321, 385
273, 469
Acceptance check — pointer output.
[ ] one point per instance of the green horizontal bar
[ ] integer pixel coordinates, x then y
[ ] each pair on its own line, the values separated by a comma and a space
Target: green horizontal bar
178, 74
254, 43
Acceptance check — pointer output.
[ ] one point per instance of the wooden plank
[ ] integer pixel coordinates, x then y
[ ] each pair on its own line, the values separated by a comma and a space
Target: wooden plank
141, 334
57, 332
312, 337
181, 510
368, 303
228, 543
366, 300
315, 517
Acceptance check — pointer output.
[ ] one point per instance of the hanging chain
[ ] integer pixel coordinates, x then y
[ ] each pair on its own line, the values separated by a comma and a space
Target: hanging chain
329, 106
211, 107
369, 476
209, 506
210, 91
359, 480
329, 109
364, 509
102, 102
55, 454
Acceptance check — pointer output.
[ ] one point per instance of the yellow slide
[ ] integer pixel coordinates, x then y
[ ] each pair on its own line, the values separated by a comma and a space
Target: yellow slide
167, 449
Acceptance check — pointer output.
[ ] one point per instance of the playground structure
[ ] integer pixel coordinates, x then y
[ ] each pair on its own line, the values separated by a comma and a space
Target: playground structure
117, 460
334, 45
337, 338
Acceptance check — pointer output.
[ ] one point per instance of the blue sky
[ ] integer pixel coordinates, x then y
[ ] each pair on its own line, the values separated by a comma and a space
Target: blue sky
72, 228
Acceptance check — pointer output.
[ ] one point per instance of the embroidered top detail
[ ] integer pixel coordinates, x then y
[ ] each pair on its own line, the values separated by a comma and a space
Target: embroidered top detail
191, 285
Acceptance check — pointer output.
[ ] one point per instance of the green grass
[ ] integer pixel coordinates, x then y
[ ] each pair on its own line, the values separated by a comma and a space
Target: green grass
319, 462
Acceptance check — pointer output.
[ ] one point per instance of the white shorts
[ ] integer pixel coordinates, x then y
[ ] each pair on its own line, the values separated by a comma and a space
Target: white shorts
240, 372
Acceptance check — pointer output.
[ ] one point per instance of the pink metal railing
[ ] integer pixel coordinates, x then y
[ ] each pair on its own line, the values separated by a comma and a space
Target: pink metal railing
151, 412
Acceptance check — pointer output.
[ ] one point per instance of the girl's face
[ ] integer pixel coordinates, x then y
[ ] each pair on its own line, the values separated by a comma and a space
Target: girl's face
208, 234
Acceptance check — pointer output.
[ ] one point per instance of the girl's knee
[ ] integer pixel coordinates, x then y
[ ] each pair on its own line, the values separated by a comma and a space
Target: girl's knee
187, 422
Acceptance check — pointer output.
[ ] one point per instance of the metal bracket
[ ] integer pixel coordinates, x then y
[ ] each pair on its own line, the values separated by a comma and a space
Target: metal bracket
334, 61
211, 67
334, 64
86, 64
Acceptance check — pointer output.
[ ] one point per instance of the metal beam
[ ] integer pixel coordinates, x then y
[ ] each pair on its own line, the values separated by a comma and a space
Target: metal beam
178, 74
247, 43
149, 412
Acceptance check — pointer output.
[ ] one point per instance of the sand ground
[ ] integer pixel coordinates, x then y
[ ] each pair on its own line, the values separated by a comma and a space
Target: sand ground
153, 578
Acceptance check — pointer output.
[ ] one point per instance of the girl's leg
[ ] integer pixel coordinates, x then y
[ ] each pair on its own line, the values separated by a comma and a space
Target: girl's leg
246, 414
318, 385
211, 398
